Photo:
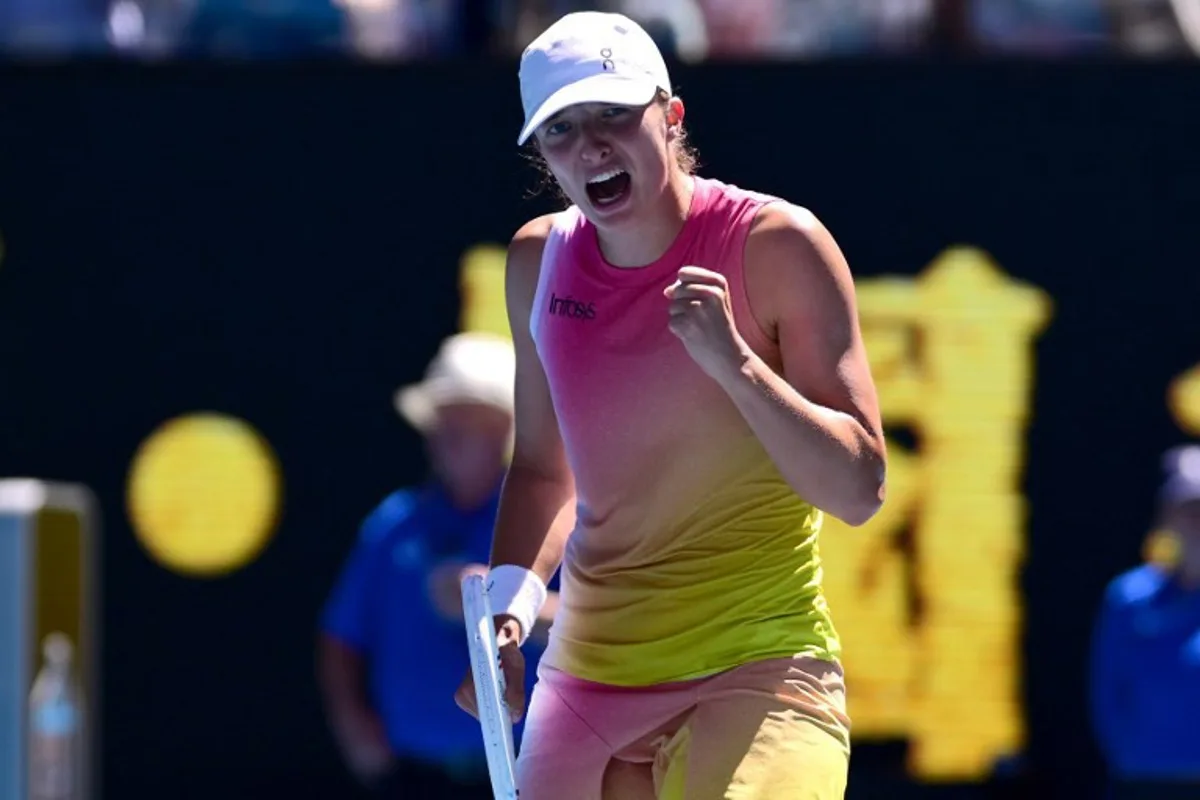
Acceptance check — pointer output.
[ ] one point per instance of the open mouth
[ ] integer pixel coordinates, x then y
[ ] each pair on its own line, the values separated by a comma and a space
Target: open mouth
608, 188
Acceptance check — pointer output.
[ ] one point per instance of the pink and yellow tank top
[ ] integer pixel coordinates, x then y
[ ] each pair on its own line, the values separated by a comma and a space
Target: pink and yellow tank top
691, 554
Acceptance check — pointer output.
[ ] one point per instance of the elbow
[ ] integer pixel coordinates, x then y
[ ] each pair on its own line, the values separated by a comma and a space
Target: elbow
858, 514
866, 496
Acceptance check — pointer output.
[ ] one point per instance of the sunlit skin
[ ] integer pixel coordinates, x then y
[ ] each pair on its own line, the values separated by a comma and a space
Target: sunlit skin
591, 139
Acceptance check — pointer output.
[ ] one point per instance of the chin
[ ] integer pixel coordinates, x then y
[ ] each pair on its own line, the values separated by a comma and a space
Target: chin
614, 214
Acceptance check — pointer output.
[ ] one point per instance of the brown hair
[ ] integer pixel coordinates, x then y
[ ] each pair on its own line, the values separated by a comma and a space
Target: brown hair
687, 159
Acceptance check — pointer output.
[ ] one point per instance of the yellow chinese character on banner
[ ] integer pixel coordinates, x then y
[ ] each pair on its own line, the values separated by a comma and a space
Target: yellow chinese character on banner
926, 595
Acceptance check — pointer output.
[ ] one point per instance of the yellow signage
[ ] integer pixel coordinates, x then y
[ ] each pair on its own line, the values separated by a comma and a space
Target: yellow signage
926, 595
1183, 398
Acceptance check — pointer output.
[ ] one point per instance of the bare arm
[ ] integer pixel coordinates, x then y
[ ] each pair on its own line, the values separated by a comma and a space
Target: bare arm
341, 675
819, 420
537, 503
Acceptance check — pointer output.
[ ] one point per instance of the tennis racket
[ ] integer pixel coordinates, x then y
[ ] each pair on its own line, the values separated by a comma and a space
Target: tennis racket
494, 718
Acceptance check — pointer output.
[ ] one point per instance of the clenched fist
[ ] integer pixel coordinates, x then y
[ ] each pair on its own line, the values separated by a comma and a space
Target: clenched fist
702, 318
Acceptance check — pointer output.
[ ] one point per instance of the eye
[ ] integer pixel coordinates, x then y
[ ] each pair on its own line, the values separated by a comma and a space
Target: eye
558, 128
615, 111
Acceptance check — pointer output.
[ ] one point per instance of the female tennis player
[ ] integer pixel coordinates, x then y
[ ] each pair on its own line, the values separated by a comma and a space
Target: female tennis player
692, 395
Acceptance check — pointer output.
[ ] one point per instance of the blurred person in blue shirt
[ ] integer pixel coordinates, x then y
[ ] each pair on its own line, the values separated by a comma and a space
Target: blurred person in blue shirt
399, 592
1145, 670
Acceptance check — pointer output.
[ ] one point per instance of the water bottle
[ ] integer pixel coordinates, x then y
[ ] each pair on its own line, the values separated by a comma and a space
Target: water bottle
54, 725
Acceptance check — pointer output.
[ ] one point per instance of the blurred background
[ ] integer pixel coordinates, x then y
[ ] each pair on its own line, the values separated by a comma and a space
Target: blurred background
697, 30
230, 231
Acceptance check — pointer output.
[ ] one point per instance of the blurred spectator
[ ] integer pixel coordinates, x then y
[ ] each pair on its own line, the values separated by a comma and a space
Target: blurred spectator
53, 28
392, 647
902, 25
280, 28
1039, 27
409, 29
518, 22
1156, 27
822, 28
148, 28
1145, 689
677, 26
738, 29
816, 28
691, 30
951, 31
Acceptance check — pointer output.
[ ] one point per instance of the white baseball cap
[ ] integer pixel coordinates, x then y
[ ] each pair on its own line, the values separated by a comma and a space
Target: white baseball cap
589, 57
469, 368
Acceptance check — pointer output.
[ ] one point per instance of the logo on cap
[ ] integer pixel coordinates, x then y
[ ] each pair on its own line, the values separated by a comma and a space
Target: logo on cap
606, 54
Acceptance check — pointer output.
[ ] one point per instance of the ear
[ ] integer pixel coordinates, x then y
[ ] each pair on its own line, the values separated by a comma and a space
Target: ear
673, 118
675, 114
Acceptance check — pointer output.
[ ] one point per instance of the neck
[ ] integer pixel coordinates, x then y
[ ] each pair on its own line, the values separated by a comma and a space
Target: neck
644, 240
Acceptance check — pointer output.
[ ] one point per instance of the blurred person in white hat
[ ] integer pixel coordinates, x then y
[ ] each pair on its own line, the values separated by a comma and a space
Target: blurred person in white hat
1145, 660
463, 407
391, 635
693, 396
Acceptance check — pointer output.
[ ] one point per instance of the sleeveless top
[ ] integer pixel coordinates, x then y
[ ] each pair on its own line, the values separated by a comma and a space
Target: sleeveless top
691, 554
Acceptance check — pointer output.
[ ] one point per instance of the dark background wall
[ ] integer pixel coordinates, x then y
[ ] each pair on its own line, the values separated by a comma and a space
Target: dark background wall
282, 245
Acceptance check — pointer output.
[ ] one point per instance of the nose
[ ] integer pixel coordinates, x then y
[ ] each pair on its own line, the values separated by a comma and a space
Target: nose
594, 148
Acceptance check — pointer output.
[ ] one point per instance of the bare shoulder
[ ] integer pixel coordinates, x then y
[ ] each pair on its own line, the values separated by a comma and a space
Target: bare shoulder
525, 248
792, 258
783, 233
525, 260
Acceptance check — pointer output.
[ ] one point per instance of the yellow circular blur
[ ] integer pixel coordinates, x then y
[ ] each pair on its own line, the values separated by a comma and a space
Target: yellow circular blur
204, 494
1183, 398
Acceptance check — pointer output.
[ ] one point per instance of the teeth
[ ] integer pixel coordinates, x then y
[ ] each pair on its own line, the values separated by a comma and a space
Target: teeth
606, 176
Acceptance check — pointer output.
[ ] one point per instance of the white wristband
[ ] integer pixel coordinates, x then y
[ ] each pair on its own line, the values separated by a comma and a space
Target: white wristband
518, 592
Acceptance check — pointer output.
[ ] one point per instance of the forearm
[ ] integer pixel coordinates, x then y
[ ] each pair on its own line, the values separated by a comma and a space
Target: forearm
828, 457
535, 517
356, 727
341, 674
